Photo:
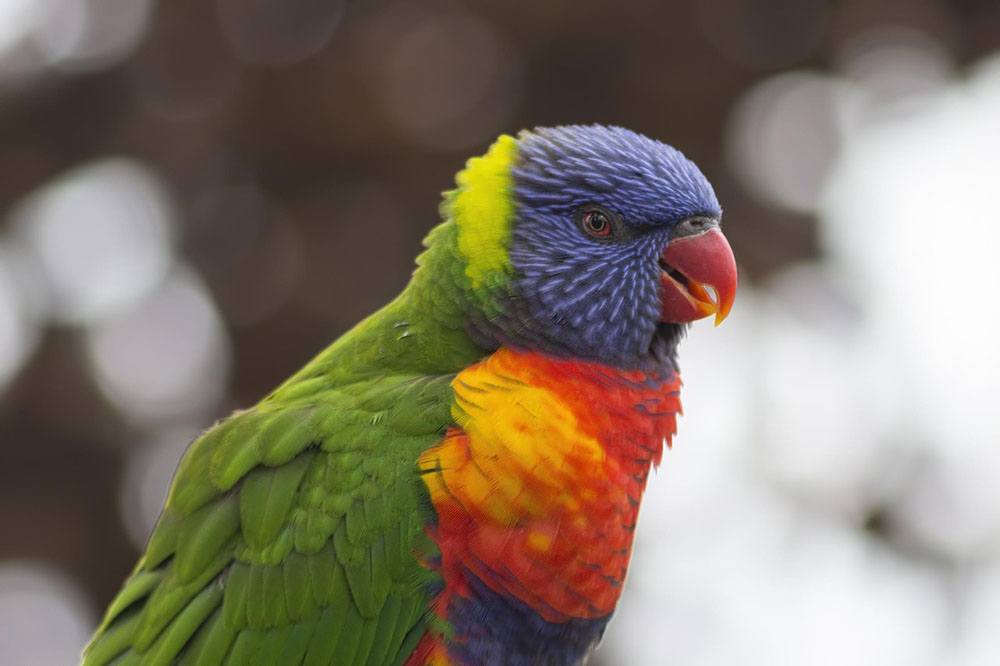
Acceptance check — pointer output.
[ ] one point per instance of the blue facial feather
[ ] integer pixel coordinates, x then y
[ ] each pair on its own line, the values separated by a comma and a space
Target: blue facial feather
577, 296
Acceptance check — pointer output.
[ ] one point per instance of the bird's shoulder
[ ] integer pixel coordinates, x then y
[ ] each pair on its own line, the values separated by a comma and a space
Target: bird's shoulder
295, 519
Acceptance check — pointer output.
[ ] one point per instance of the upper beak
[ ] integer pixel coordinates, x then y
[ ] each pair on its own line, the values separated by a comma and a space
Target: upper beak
698, 278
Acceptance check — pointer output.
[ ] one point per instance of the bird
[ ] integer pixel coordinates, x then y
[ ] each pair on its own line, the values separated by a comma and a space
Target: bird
455, 480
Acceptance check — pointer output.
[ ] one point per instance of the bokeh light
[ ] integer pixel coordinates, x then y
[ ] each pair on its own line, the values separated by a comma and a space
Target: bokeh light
784, 135
99, 238
980, 594
90, 34
16, 18
45, 617
68, 35
882, 218
816, 369
895, 63
168, 357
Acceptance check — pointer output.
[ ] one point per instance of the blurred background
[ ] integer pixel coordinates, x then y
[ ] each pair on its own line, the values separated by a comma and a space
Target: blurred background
198, 196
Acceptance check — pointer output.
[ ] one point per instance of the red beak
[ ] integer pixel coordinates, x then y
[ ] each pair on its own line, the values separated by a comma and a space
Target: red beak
698, 278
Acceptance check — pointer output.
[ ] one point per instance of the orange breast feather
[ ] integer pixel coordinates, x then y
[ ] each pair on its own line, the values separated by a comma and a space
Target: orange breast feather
537, 490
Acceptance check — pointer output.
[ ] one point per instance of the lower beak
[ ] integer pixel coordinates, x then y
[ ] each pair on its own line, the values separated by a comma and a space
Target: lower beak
697, 278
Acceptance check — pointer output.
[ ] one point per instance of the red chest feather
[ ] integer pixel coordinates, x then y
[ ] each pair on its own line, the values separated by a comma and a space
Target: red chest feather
538, 489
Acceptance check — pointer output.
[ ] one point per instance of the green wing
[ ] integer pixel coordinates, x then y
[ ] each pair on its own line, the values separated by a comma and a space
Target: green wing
292, 535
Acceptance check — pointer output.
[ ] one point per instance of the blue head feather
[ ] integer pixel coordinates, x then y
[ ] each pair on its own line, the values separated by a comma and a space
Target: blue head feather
577, 296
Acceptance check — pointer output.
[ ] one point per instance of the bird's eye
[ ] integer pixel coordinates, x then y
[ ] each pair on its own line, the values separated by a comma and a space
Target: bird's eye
597, 222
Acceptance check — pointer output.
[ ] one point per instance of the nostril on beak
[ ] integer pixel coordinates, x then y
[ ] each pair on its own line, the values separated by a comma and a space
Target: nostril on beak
693, 226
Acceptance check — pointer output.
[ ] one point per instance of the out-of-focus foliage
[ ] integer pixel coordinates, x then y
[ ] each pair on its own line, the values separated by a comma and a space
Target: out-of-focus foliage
197, 196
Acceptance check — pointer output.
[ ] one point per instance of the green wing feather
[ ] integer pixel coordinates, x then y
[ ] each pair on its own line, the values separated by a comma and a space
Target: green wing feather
291, 534
294, 532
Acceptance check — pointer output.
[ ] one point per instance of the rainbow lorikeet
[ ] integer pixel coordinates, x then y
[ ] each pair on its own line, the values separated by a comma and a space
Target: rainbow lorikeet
456, 480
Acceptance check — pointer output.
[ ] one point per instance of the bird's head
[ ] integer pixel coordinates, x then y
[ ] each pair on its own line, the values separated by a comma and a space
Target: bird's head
591, 242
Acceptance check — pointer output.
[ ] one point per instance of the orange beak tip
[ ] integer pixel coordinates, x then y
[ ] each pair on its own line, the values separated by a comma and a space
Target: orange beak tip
724, 309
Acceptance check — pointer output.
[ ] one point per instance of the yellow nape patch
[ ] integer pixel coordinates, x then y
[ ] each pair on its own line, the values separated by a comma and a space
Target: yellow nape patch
483, 207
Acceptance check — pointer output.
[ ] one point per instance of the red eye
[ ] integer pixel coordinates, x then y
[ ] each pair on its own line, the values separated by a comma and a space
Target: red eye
596, 223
